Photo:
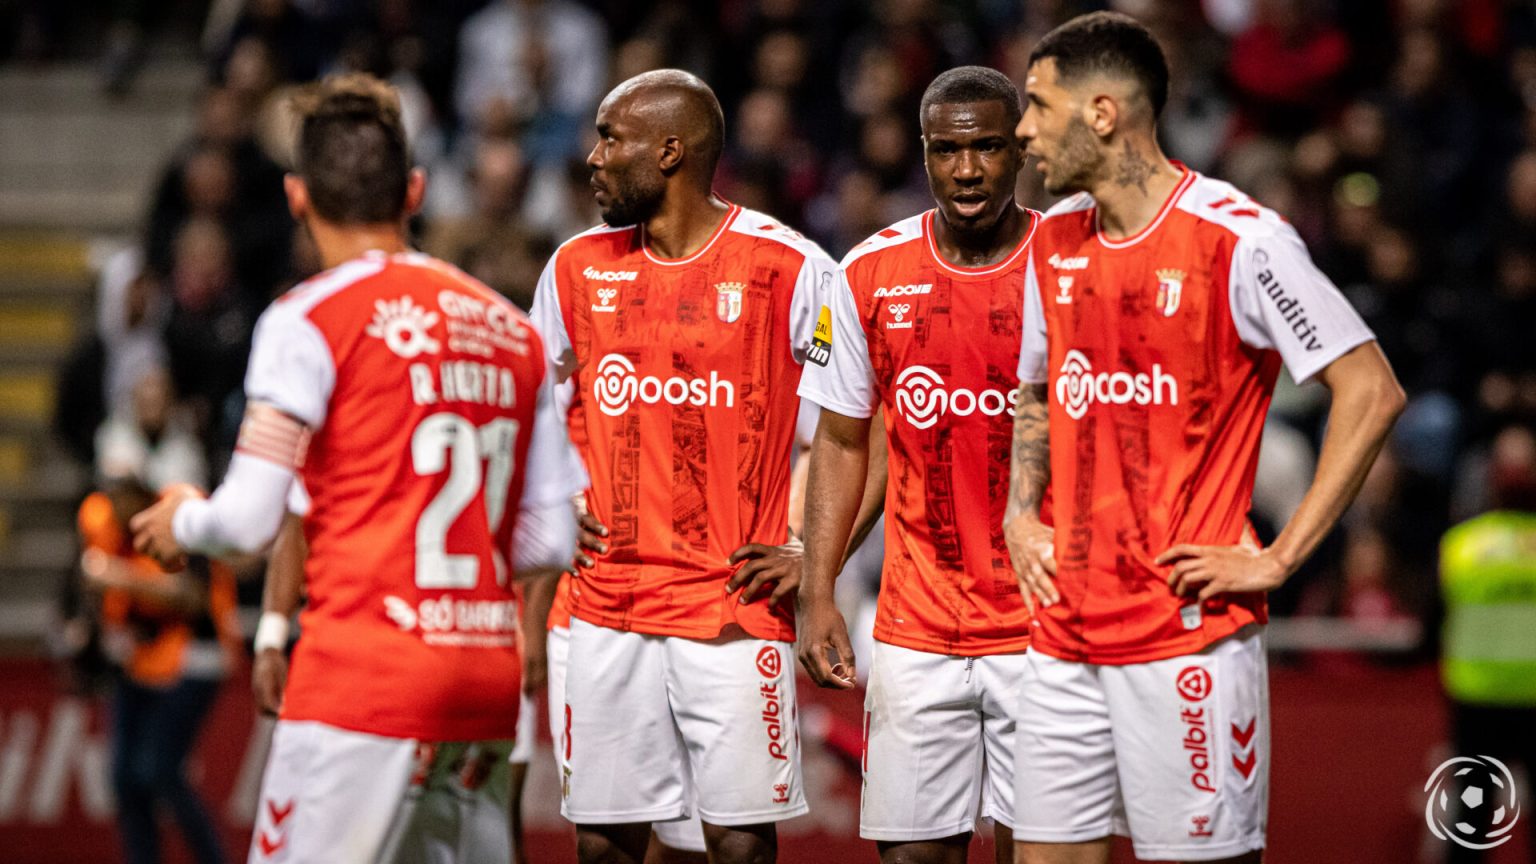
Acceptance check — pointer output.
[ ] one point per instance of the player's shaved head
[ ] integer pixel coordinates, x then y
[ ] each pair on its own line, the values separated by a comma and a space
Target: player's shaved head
655, 130
673, 103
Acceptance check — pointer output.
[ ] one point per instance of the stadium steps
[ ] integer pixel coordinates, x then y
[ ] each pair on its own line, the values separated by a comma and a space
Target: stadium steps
72, 157
45, 300
76, 171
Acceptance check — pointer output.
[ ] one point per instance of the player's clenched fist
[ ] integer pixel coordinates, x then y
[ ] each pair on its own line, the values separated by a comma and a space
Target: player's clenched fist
269, 675
1032, 546
822, 644
152, 533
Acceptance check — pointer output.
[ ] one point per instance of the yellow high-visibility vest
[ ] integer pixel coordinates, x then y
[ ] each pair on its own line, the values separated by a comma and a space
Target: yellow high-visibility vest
1488, 576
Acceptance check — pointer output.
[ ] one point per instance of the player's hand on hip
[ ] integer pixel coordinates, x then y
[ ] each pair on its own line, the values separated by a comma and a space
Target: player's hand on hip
1032, 548
269, 675
1210, 570
589, 540
822, 644
152, 532
778, 566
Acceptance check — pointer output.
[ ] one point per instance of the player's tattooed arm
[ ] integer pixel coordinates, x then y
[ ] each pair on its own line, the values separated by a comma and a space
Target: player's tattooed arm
1030, 468
1031, 544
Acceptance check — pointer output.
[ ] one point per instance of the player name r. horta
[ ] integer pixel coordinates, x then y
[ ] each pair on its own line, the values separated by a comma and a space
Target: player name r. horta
462, 381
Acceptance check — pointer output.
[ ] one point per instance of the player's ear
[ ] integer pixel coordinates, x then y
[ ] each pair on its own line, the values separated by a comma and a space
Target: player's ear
298, 196
1102, 114
415, 190
670, 155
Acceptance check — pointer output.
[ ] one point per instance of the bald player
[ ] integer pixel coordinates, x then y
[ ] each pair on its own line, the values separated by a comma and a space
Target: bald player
680, 327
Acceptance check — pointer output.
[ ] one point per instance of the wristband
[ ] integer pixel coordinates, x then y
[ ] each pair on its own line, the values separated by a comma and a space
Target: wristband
271, 632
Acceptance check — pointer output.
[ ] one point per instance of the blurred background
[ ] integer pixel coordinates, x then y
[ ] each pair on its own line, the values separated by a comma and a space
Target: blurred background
143, 229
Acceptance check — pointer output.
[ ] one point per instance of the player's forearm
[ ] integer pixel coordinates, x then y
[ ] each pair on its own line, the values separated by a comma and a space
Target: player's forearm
538, 597
1029, 468
875, 480
284, 587
1366, 402
838, 465
243, 514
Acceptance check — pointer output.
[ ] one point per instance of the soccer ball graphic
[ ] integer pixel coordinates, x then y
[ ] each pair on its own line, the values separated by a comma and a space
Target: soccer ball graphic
1472, 802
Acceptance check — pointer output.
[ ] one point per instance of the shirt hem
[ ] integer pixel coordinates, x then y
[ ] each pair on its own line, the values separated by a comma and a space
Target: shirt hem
703, 634
1100, 657
488, 732
957, 649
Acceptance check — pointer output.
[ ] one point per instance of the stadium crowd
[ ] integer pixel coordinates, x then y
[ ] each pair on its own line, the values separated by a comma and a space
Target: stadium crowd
1398, 137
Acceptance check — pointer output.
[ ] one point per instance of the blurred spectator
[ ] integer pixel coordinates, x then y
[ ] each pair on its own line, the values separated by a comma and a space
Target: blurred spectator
508, 261
174, 638
223, 174
209, 332
149, 440
303, 42
497, 180
768, 167
1286, 66
540, 64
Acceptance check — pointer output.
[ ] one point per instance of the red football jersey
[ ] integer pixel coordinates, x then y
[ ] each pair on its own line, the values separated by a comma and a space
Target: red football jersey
1161, 353
420, 386
683, 406
936, 346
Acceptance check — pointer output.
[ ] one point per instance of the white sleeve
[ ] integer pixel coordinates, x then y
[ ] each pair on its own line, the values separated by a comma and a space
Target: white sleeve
1282, 302
298, 499
546, 523
554, 471
243, 514
291, 367
550, 321
839, 376
812, 286
1034, 349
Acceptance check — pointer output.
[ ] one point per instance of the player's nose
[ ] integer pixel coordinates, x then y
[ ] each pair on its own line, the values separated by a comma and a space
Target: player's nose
1025, 131
967, 167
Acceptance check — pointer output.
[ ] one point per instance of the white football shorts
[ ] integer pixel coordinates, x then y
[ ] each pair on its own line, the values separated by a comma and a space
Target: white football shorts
655, 719
686, 834
938, 743
1177, 748
331, 794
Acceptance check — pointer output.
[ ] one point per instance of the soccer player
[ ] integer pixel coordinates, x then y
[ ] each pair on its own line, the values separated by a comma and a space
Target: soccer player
925, 326
1160, 305
682, 323
417, 402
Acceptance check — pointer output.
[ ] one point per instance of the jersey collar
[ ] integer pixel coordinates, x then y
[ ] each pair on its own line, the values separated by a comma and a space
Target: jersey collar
987, 269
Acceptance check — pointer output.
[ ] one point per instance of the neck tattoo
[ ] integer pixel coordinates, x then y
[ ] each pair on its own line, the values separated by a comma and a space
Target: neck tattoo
1134, 169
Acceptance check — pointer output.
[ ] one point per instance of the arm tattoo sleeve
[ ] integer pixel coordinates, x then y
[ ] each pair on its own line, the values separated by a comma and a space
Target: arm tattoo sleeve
1030, 467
